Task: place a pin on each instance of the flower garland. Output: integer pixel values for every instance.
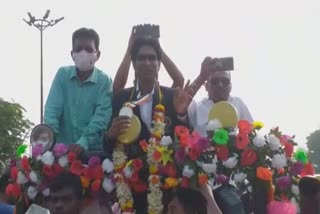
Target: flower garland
(155, 194)
(32, 175)
(123, 191)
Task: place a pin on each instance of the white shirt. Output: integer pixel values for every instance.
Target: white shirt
(198, 113)
(146, 108)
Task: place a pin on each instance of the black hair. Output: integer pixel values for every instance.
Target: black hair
(145, 42)
(191, 200)
(67, 180)
(4, 181)
(86, 33)
(309, 186)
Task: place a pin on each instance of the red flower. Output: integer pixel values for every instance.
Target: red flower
(137, 164)
(184, 140)
(72, 157)
(134, 177)
(157, 155)
(13, 190)
(25, 164)
(48, 171)
(288, 148)
(242, 140)
(140, 186)
(222, 152)
(98, 172)
(244, 126)
(248, 157)
(95, 186)
(194, 153)
(307, 170)
(202, 179)
(144, 145)
(14, 173)
(185, 182)
(57, 169)
(170, 170)
(76, 167)
(181, 130)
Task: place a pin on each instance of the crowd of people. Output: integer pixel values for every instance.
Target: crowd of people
(83, 109)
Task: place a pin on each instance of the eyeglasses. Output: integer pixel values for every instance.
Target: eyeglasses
(224, 81)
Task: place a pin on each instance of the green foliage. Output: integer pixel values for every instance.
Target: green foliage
(313, 144)
(13, 129)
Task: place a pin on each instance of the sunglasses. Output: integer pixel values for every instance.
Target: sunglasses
(224, 81)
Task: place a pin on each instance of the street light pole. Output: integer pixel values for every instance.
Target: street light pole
(41, 24)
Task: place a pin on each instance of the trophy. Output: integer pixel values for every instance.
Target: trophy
(226, 113)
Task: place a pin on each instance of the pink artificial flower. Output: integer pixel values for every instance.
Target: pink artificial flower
(60, 149)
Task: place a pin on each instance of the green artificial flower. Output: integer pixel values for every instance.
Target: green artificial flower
(220, 137)
(21, 150)
(301, 155)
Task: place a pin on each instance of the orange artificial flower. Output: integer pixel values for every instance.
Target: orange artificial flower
(84, 182)
(144, 145)
(264, 173)
(202, 178)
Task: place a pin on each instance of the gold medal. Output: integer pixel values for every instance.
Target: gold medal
(226, 113)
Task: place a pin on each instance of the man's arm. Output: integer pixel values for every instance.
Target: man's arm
(100, 118)
(173, 71)
(54, 105)
(244, 113)
(121, 77)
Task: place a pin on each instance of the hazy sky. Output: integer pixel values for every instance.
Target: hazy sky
(275, 45)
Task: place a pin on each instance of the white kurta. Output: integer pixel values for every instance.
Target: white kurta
(198, 113)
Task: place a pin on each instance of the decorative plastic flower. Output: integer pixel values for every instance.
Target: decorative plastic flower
(244, 126)
(242, 140)
(301, 155)
(279, 161)
(239, 177)
(274, 142)
(220, 137)
(60, 149)
(213, 125)
(259, 140)
(231, 162)
(47, 158)
(188, 171)
(166, 141)
(257, 125)
(107, 166)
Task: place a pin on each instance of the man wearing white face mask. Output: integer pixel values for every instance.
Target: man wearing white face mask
(78, 106)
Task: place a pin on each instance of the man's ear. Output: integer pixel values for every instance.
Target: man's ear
(71, 54)
(98, 54)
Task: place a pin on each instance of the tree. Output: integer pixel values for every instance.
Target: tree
(13, 130)
(313, 144)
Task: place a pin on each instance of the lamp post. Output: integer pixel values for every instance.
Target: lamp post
(41, 24)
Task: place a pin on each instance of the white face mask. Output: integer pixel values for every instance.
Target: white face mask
(84, 60)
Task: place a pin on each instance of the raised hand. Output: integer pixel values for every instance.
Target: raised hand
(183, 98)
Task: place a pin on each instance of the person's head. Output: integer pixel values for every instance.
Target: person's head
(85, 48)
(187, 201)
(65, 195)
(4, 181)
(219, 86)
(146, 59)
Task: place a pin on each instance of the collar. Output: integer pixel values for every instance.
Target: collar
(92, 78)
(139, 93)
